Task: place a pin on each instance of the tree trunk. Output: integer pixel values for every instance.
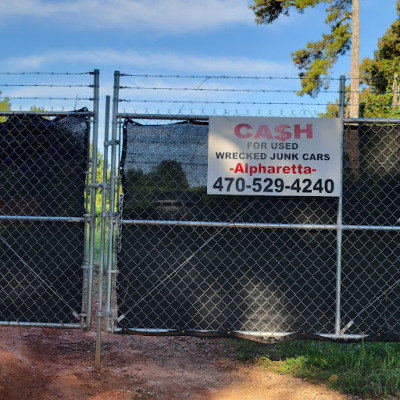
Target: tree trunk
(352, 140)
(355, 63)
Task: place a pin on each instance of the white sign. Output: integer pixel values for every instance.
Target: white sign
(274, 156)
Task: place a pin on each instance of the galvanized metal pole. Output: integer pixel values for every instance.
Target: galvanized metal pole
(92, 191)
(85, 264)
(113, 172)
(342, 97)
(339, 242)
(102, 237)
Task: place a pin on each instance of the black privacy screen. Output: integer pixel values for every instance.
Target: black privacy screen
(42, 174)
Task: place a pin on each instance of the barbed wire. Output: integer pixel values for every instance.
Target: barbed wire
(43, 85)
(219, 102)
(217, 90)
(50, 89)
(44, 98)
(45, 73)
(236, 77)
(158, 117)
(221, 77)
(233, 98)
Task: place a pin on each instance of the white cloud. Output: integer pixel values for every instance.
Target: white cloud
(130, 60)
(171, 16)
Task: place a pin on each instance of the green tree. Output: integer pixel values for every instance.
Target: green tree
(142, 188)
(36, 108)
(380, 75)
(318, 57)
(5, 105)
(99, 180)
(380, 79)
(169, 176)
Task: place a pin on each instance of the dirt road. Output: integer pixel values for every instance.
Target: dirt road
(47, 364)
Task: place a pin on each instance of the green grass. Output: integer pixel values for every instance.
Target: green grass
(364, 369)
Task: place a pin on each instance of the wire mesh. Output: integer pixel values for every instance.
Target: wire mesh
(371, 274)
(264, 265)
(42, 230)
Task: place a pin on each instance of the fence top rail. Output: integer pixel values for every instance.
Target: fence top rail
(47, 113)
(162, 116)
(207, 117)
(371, 120)
(47, 73)
(35, 218)
(259, 225)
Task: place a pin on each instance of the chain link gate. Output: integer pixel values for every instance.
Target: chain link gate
(47, 212)
(187, 262)
(179, 261)
(370, 273)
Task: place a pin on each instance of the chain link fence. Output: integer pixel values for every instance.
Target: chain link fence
(265, 265)
(177, 259)
(47, 215)
(371, 250)
(270, 266)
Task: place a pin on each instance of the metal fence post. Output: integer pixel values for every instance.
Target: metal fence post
(100, 313)
(339, 234)
(342, 92)
(339, 242)
(92, 190)
(113, 177)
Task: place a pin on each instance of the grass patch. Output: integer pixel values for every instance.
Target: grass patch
(364, 369)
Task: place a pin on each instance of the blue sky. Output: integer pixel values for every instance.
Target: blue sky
(180, 37)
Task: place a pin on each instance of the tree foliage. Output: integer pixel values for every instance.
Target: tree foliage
(381, 74)
(318, 57)
(5, 104)
(142, 188)
(378, 78)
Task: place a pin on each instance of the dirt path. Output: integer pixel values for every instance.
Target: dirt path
(47, 364)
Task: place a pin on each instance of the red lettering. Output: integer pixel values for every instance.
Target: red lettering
(284, 169)
(263, 131)
(238, 132)
(239, 168)
(243, 131)
(284, 134)
(307, 130)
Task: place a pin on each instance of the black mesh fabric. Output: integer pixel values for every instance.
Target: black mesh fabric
(42, 174)
(271, 280)
(371, 197)
(208, 278)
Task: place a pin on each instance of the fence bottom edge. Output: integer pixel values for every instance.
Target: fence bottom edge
(41, 325)
(263, 337)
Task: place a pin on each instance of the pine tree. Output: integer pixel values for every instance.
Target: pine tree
(318, 57)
